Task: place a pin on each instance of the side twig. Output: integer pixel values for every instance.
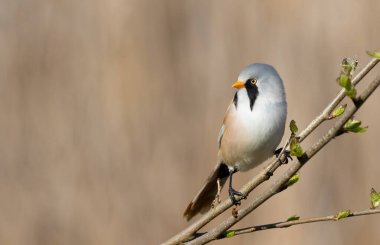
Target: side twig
(286, 224)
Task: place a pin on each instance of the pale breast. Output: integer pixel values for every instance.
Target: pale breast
(250, 137)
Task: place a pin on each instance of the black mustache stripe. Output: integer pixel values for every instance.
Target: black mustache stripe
(236, 100)
(252, 93)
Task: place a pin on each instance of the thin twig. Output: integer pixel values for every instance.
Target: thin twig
(277, 186)
(285, 224)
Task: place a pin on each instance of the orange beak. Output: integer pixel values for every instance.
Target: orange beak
(238, 84)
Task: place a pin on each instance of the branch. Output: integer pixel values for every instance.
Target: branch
(278, 185)
(265, 174)
(335, 102)
(286, 224)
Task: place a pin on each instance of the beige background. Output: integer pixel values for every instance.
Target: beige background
(109, 113)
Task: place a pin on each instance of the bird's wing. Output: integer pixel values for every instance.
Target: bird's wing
(220, 136)
(221, 131)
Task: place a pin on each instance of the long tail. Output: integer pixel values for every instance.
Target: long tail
(204, 198)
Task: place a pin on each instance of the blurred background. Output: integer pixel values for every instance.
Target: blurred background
(110, 112)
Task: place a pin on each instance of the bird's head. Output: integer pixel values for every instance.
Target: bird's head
(259, 80)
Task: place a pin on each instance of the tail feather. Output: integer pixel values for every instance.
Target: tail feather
(204, 198)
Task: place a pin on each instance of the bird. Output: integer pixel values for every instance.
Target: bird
(253, 127)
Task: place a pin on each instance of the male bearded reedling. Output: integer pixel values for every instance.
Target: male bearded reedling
(252, 129)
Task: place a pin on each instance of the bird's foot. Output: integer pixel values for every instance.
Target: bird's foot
(269, 173)
(286, 154)
(277, 152)
(232, 193)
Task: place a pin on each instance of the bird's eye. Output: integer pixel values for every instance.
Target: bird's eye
(253, 81)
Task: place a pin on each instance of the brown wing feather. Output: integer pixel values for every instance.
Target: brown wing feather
(204, 198)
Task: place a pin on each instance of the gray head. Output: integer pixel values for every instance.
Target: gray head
(260, 81)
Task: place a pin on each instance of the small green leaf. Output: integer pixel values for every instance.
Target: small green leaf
(375, 54)
(295, 148)
(345, 76)
(293, 127)
(293, 218)
(344, 81)
(230, 234)
(351, 92)
(359, 130)
(353, 125)
(375, 199)
(343, 214)
(294, 179)
(338, 111)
